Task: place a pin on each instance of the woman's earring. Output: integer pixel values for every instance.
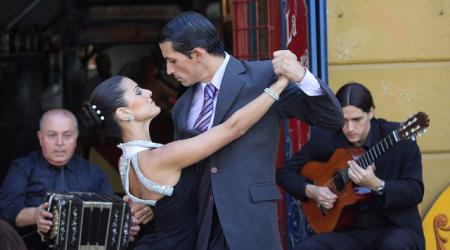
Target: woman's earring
(130, 118)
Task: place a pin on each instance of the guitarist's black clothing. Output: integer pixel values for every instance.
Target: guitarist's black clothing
(393, 214)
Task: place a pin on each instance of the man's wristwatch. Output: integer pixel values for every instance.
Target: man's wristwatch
(380, 190)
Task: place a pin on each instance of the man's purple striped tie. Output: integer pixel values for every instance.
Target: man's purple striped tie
(204, 118)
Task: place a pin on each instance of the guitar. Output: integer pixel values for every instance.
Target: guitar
(334, 175)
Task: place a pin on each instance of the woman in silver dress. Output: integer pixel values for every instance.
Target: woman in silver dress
(152, 173)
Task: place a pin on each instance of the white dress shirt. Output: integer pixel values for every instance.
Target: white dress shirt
(308, 84)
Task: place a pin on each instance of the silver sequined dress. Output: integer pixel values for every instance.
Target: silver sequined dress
(175, 215)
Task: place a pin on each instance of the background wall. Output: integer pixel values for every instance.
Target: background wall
(401, 51)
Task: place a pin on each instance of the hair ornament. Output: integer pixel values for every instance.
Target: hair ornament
(98, 112)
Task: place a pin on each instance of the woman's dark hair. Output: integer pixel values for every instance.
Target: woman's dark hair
(9, 238)
(190, 30)
(99, 112)
(355, 94)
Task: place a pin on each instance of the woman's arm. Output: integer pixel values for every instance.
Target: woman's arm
(183, 153)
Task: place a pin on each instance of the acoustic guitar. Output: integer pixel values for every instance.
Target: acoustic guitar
(334, 175)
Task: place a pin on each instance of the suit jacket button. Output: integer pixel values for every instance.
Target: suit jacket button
(213, 170)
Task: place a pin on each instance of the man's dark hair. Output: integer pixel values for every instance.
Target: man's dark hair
(190, 30)
(355, 94)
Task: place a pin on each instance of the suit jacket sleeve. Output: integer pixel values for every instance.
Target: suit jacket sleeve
(323, 111)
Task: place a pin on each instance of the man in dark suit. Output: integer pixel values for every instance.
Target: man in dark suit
(238, 195)
(390, 220)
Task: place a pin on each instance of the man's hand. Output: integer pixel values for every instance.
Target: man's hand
(322, 195)
(134, 229)
(43, 218)
(142, 213)
(285, 63)
(363, 177)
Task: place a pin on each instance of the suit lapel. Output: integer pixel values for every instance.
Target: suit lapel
(232, 83)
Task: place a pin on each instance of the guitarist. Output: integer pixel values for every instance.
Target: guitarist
(390, 219)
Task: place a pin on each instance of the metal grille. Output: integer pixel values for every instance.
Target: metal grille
(254, 36)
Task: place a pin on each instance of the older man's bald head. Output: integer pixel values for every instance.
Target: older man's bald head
(58, 135)
(58, 112)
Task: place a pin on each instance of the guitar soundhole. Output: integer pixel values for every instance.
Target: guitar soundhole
(338, 182)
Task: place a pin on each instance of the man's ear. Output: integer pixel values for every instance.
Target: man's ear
(371, 113)
(122, 113)
(40, 137)
(198, 54)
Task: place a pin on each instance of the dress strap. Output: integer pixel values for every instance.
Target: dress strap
(150, 185)
(124, 167)
(129, 155)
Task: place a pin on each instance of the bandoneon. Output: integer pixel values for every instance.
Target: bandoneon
(87, 221)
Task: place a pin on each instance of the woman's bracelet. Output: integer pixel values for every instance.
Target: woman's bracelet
(272, 94)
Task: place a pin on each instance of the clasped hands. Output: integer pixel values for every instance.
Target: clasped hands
(140, 214)
(285, 63)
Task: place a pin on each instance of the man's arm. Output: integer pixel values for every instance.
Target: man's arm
(38, 216)
(13, 195)
(290, 179)
(407, 190)
(26, 217)
(315, 103)
(289, 176)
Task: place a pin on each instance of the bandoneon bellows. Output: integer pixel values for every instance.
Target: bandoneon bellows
(88, 221)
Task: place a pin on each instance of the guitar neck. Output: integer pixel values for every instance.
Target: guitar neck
(378, 150)
(374, 153)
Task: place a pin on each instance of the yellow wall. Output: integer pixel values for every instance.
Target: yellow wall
(388, 31)
(401, 51)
